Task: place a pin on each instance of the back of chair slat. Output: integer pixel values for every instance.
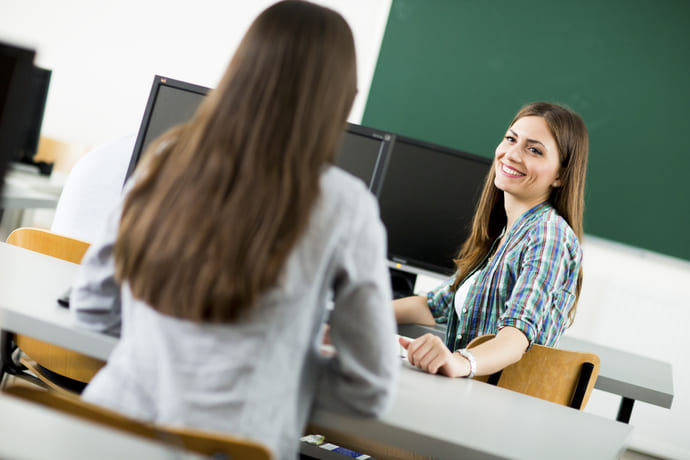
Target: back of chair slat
(206, 443)
(561, 376)
(51, 244)
(551, 374)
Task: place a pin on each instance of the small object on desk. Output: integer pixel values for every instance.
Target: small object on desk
(314, 439)
(63, 300)
(403, 351)
(343, 451)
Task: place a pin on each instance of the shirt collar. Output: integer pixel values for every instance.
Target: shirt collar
(528, 217)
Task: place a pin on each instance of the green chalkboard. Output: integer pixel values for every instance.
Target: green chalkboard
(455, 72)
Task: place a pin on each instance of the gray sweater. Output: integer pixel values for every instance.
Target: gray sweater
(258, 378)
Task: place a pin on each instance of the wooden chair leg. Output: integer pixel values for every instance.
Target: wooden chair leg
(7, 347)
(8, 366)
(42, 379)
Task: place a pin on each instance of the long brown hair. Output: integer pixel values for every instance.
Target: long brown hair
(221, 201)
(570, 133)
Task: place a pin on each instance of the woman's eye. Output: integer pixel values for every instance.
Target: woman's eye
(535, 150)
(510, 138)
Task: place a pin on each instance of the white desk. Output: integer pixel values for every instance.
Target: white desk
(32, 432)
(30, 284)
(434, 416)
(462, 418)
(16, 196)
(24, 191)
(631, 376)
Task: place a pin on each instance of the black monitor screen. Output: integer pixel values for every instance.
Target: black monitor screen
(170, 103)
(16, 64)
(40, 82)
(427, 201)
(361, 151)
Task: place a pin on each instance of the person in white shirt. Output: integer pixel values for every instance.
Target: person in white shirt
(235, 235)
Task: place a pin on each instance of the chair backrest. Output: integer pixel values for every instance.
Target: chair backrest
(59, 360)
(48, 243)
(202, 442)
(561, 376)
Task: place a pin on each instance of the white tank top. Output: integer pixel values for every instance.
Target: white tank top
(461, 294)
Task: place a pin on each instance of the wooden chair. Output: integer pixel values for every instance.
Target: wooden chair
(54, 366)
(217, 445)
(63, 155)
(561, 376)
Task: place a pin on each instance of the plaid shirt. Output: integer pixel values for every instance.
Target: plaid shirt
(529, 284)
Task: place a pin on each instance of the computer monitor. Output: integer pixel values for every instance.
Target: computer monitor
(31, 134)
(170, 103)
(16, 64)
(427, 201)
(363, 153)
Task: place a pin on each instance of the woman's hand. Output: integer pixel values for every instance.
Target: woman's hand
(430, 354)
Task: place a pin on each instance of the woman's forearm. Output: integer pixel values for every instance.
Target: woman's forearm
(413, 310)
(501, 351)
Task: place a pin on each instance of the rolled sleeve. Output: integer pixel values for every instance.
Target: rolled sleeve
(440, 300)
(546, 274)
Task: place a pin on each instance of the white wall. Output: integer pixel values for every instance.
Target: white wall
(104, 56)
(638, 301)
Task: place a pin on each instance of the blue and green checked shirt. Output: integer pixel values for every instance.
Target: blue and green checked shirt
(529, 284)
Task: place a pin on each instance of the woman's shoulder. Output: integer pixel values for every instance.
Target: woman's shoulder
(551, 226)
(340, 179)
(345, 191)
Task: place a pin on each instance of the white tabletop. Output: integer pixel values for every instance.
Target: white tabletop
(463, 418)
(437, 416)
(23, 191)
(32, 432)
(622, 373)
(30, 284)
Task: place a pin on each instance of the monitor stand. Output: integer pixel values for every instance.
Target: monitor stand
(402, 283)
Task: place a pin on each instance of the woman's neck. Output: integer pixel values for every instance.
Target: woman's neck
(515, 208)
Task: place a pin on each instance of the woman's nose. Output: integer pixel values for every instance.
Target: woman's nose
(513, 153)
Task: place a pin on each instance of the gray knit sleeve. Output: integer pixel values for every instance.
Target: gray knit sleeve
(95, 297)
(362, 376)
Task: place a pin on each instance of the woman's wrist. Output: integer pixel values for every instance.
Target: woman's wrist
(471, 364)
(463, 365)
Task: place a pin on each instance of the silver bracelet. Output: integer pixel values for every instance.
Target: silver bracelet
(473, 362)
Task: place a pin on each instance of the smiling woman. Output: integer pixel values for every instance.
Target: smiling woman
(519, 272)
(527, 165)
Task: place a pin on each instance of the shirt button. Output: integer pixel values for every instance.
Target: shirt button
(459, 336)
(464, 310)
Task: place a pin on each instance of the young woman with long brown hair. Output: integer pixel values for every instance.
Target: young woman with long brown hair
(234, 237)
(519, 272)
